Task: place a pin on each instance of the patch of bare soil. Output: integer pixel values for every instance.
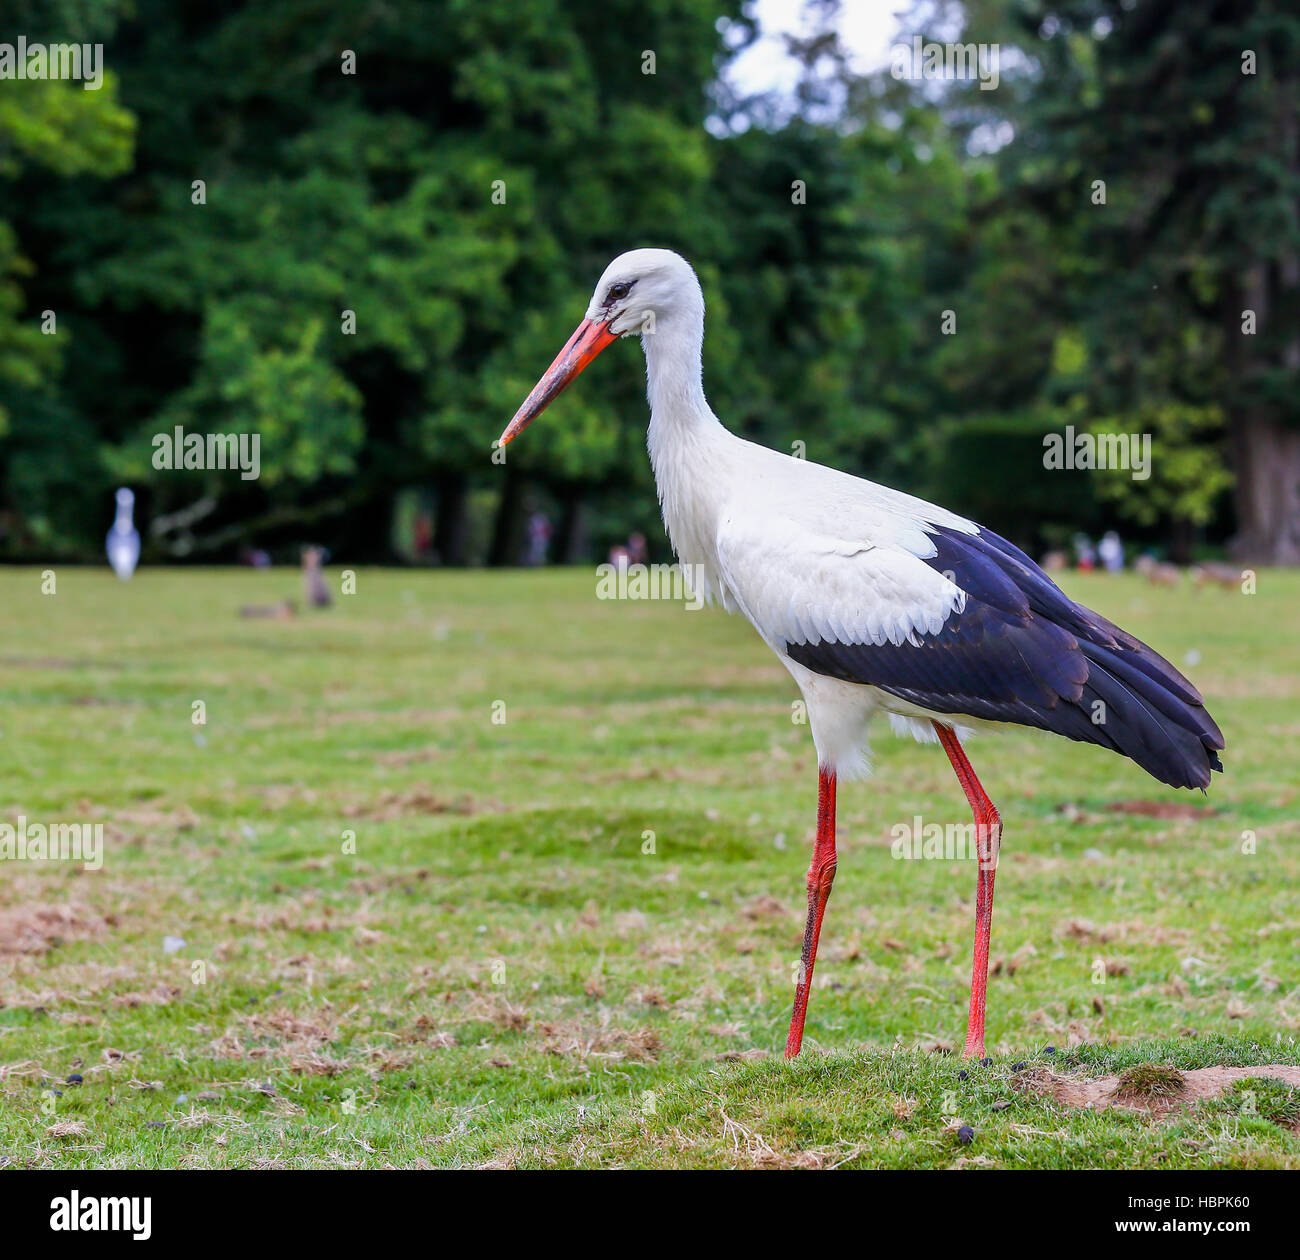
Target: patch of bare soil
(1178, 1089)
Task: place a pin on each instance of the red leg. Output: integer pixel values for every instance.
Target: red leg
(821, 874)
(988, 839)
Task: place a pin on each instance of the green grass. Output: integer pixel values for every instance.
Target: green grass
(509, 971)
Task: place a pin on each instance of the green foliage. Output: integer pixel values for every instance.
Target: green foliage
(56, 128)
(383, 261)
(454, 194)
(1186, 114)
(1188, 471)
(62, 128)
(307, 414)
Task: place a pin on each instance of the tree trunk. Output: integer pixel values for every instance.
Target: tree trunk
(1267, 463)
(452, 526)
(571, 543)
(1265, 447)
(1265, 440)
(507, 532)
(1180, 540)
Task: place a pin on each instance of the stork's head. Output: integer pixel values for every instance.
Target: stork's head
(643, 292)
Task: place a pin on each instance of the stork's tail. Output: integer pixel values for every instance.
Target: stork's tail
(1133, 700)
(1138, 704)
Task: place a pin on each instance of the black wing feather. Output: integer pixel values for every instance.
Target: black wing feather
(1022, 651)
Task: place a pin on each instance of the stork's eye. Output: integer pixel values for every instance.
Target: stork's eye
(619, 290)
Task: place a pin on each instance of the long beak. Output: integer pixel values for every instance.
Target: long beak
(588, 340)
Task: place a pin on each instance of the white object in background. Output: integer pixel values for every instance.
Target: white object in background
(123, 540)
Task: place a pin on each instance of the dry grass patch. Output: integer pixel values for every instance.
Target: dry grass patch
(764, 907)
(281, 1034)
(498, 1010)
(388, 806)
(182, 818)
(35, 929)
(574, 1040)
(160, 995)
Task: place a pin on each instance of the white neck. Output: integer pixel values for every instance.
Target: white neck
(675, 377)
(123, 521)
(680, 416)
(688, 445)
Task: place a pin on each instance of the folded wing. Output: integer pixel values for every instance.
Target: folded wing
(965, 624)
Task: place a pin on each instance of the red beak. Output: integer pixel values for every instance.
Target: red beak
(588, 340)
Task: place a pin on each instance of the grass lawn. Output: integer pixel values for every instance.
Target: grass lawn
(568, 932)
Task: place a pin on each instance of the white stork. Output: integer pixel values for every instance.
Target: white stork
(875, 600)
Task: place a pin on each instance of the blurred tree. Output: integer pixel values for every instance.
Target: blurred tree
(1186, 474)
(1186, 111)
(403, 207)
(50, 131)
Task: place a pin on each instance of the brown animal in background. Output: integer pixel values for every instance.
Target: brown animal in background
(313, 581)
(1214, 571)
(1158, 574)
